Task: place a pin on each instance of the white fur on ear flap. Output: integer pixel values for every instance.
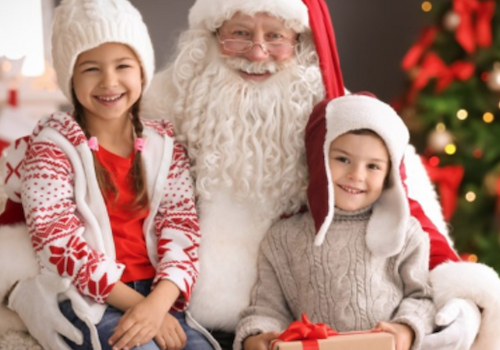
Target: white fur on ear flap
(386, 217)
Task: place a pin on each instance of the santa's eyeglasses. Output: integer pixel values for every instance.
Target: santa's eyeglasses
(270, 47)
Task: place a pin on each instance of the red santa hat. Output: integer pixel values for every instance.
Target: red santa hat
(333, 118)
(305, 16)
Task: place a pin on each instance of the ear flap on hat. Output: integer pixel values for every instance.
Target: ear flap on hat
(319, 190)
(385, 234)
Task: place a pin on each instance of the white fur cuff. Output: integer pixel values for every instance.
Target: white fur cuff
(476, 282)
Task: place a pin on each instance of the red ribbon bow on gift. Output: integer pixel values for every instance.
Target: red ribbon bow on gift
(448, 180)
(417, 50)
(469, 34)
(434, 67)
(307, 332)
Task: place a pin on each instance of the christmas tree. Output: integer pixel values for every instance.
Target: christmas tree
(452, 107)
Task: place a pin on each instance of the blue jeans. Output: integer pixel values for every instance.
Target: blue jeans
(105, 328)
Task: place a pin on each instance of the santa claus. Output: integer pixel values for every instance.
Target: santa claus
(240, 90)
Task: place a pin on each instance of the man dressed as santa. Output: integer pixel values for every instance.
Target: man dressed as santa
(240, 90)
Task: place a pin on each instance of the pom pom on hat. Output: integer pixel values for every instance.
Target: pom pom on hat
(81, 25)
(333, 118)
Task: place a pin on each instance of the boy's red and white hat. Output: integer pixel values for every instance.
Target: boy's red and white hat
(333, 118)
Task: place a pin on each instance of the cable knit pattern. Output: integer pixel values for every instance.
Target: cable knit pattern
(339, 283)
(67, 218)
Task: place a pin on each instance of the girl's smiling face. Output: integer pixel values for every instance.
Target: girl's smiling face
(107, 81)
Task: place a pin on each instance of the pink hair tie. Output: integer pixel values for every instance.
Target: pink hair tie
(139, 144)
(93, 144)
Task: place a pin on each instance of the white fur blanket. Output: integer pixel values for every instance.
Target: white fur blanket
(18, 340)
(18, 261)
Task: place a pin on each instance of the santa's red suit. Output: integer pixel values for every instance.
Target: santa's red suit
(246, 144)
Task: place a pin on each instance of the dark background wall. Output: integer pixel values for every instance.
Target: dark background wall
(372, 37)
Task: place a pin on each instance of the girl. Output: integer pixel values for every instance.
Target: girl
(356, 260)
(107, 196)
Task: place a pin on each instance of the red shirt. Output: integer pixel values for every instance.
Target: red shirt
(126, 224)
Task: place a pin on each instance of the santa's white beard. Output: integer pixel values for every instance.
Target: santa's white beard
(246, 144)
(249, 136)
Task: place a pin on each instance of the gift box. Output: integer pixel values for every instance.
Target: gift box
(309, 336)
(342, 341)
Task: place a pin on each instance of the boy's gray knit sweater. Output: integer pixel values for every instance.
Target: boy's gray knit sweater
(339, 283)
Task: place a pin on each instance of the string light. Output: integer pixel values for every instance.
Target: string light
(426, 6)
(477, 153)
(488, 117)
(470, 197)
(450, 149)
(440, 127)
(472, 258)
(463, 114)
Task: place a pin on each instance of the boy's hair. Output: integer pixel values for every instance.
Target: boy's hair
(137, 173)
(364, 132)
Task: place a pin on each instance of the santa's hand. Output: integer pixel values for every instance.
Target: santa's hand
(35, 301)
(461, 320)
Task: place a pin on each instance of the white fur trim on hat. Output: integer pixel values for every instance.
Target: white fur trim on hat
(81, 25)
(209, 14)
(391, 212)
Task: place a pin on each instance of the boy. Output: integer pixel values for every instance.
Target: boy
(356, 260)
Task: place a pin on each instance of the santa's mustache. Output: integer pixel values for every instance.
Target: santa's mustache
(263, 67)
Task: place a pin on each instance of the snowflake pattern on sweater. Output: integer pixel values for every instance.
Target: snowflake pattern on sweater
(60, 234)
(177, 228)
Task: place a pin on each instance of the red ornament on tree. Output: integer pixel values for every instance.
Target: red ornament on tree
(448, 180)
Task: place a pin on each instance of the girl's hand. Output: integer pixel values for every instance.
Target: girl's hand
(137, 326)
(171, 336)
(403, 333)
(260, 341)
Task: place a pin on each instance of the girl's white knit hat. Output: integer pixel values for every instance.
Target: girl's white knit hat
(333, 118)
(209, 14)
(81, 25)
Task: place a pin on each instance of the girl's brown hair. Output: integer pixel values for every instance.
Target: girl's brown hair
(137, 173)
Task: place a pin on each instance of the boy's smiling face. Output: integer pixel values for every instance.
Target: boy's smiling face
(359, 165)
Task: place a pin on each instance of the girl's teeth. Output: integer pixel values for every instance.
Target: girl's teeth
(110, 99)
